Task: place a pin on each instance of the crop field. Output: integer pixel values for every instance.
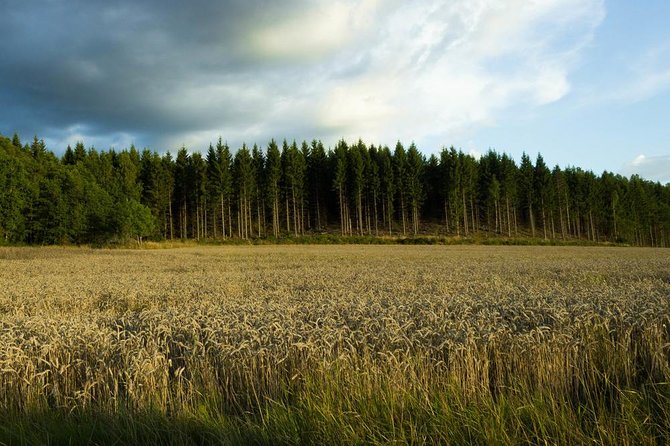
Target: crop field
(335, 345)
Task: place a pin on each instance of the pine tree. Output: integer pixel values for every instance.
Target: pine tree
(258, 193)
(541, 186)
(80, 153)
(225, 187)
(388, 187)
(340, 155)
(68, 156)
(213, 190)
(317, 177)
(527, 188)
(243, 180)
(508, 184)
(373, 188)
(414, 185)
(183, 189)
(273, 177)
(167, 187)
(400, 174)
(356, 176)
(198, 202)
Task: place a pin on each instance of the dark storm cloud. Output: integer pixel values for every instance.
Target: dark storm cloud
(136, 67)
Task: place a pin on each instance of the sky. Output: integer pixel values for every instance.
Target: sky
(585, 83)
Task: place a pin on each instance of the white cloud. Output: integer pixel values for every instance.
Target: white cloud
(641, 78)
(61, 138)
(317, 31)
(643, 85)
(434, 68)
(654, 168)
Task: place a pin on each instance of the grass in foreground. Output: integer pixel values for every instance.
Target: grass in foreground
(341, 407)
(335, 345)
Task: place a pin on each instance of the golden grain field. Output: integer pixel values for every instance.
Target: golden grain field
(238, 331)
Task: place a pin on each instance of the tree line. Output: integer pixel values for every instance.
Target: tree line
(290, 189)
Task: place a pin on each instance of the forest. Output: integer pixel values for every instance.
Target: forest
(290, 189)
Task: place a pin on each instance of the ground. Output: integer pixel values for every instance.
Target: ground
(335, 344)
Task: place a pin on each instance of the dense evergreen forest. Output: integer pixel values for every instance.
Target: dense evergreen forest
(91, 196)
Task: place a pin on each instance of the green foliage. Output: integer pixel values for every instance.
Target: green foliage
(15, 191)
(306, 190)
(134, 220)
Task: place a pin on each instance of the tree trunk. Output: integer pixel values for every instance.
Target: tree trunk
(288, 218)
(230, 218)
(197, 222)
(204, 219)
(275, 216)
(241, 211)
(532, 220)
(318, 212)
(509, 221)
(223, 220)
(215, 224)
(402, 214)
(258, 213)
(446, 216)
(553, 228)
(359, 211)
(295, 213)
(578, 227)
(171, 221)
(341, 212)
(475, 220)
(465, 216)
(184, 225)
(516, 222)
(544, 220)
(567, 214)
(560, 216)
(615, 235)
(376, 215)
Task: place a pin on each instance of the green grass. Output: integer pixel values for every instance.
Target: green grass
(362, 401)
(336, 409)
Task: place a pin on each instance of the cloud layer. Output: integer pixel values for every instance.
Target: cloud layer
(166, 73)
(654, 168)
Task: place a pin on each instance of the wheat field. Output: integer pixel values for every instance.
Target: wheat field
(335, 345)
